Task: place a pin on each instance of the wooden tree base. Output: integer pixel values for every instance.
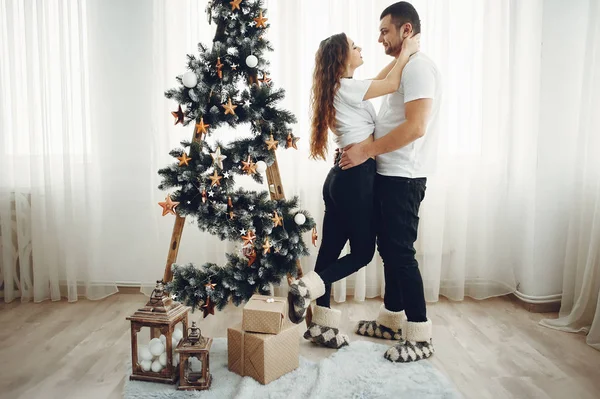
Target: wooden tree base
(276, 192)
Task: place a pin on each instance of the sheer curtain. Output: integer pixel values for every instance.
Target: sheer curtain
(489, 59)
(489, 64)
(85, 128)
(580, 307)
(46, 154)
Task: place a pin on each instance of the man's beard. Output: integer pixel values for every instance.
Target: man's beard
(393, 50)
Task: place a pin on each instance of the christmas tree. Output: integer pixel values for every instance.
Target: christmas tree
(229, 84)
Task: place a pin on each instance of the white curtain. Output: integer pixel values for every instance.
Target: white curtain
(85, 128)
(465, 241)
(580, 307)
(46, 154)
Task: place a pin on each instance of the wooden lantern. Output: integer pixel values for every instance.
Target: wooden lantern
(194, 370)
(161, 314)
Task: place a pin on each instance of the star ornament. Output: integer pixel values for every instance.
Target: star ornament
(235, 5)
(215, 179)
(184, 160)
(265, 79)
(251, 255)
(292, 142)
(260, 21)
(266, 246)
(229, 108)
(277, 220)
(201, 127)
(178, 115)
(219, 68)
(248, 166)
(218, 158)
(271, 144)
(168, 205)
(208, 308)
(249, 238)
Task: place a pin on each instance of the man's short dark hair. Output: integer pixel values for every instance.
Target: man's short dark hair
(401, 13)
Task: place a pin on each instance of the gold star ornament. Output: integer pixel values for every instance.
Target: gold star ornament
(271, 144)
(248, 166)
(219, 68)
(249, 238)
(168, 205)
(260, 21)
(201, 127)
(184, 160)
(235, 4)
(229, 107)
(266, 246)
(277, 220)
(215, 179)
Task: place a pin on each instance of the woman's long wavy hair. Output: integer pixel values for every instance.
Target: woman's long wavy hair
(330, 66)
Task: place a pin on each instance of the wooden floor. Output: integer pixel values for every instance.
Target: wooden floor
(489, 349)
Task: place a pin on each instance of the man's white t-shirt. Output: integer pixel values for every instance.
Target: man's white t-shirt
(420, 79)
(355, 118)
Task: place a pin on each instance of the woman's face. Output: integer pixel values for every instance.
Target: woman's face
(354, 58)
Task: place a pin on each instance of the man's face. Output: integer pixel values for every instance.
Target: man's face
(390, 37)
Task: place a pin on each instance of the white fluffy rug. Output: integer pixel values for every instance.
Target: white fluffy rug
(356, 371)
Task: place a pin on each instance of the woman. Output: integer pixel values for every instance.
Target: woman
(339, 103)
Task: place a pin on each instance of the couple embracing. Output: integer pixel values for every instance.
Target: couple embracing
(373, 192)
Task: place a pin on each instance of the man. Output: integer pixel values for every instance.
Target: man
(405, 148)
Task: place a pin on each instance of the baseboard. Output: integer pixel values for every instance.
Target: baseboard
(134, 287)
(129, 290)
(538, 304)
(533, 304)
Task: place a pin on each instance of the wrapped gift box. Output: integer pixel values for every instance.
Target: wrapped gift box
(264, 357)
(264, 314)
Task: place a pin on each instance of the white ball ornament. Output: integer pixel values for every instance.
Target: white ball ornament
(299, 219)
(251, 61)
(162, 359)
(146, 365)
(189, 79)
(174, 342)
(163, 339)
(177, 334)
(145, 354)
(156, 367)
(157, 348)
(176, 359)
(261, 166)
